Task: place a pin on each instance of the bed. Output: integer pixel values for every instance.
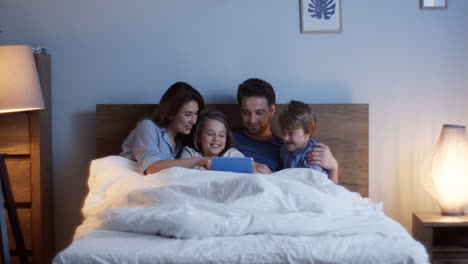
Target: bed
(187, 216)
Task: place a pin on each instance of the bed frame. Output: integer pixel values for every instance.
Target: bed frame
(343, 127)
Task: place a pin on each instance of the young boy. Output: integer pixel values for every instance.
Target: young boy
(297, 123)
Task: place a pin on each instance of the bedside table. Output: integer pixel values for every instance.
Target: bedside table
(27, 139)
(445, 237)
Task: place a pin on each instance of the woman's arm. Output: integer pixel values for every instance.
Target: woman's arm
(154, 154)
(186, 163)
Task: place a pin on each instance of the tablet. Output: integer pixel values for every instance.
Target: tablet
(233, 164)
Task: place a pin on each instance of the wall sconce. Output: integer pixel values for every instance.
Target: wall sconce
(450, 170)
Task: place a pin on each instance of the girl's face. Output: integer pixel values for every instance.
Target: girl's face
(213, 138)
(185, 118)
(294, 139)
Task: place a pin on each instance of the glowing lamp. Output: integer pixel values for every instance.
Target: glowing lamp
(450, 170)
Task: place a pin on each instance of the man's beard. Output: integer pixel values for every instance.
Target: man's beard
(256, 131)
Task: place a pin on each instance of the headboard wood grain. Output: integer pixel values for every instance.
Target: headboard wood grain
(343, 127)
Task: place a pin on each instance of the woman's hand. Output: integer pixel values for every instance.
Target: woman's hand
(261, 168)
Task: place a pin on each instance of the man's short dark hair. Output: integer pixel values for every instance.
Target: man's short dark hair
(256, 87)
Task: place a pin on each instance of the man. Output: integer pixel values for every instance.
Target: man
(257, 98)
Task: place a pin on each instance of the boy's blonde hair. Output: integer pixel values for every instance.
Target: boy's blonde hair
(298, 115)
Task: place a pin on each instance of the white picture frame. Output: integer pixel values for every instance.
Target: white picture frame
(315, 20)
(433, 4)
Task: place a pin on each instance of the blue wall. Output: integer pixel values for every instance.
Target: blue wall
(410, 65)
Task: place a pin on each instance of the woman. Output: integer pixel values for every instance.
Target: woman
(153, 142)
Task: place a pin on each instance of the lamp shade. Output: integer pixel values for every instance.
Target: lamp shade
(19, 83)
(450, 170)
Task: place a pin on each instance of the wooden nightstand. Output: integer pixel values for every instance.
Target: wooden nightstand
(445, 237)
(26, 138)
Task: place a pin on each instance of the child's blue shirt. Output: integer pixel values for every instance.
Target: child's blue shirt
(298, 159)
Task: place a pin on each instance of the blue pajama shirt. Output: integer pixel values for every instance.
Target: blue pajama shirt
(148, 143)
(298, 159)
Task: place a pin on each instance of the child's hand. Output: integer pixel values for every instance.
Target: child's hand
(205, 163)
(261, 168)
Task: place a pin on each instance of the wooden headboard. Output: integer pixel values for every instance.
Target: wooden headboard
(343, 127)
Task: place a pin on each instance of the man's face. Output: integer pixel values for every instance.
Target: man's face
(256, 115)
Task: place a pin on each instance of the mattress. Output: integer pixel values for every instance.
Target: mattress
(102, 246)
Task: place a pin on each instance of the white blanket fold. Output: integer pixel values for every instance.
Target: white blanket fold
(186, 203)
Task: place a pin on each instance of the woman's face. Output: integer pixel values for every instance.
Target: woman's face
(185, 118)
(213, 138)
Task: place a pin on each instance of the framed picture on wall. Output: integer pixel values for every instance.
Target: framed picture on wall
(320, 16)
(433, 4)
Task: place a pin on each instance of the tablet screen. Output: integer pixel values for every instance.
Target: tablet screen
(233, 164)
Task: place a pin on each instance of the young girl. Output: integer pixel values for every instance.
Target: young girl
(213, 138)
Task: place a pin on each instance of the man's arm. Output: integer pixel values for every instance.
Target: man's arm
(322, 156)
(261, 168)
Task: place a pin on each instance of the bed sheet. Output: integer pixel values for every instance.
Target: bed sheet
(112, 247)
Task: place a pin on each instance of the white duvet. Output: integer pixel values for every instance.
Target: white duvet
(202, 206)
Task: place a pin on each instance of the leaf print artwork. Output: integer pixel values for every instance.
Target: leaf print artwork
(319, 9)
(320, 16)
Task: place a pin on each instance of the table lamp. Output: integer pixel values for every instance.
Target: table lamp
(19, 91)
(19, 82)
(450, 170)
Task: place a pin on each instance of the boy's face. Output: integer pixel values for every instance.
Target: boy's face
(213, 138)
(256, 115)
(294, 139)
